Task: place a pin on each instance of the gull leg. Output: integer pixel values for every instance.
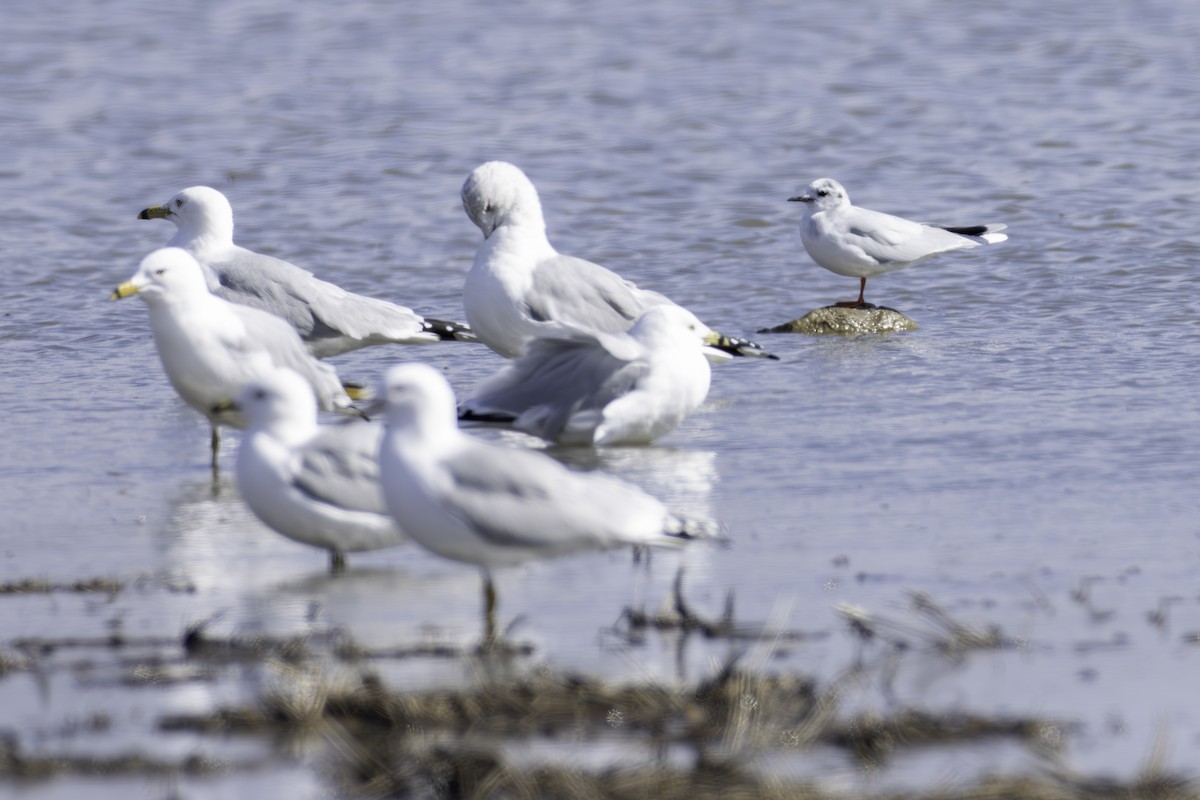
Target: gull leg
(216, 447)
(337, 562)
(860, 302)
(489, 608)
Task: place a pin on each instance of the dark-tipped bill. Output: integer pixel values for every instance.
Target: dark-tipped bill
(737, 347)
(124, 290)
(154, 212)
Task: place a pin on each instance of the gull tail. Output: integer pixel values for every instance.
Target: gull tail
(449, 331)
(735, 346)
(985, 234)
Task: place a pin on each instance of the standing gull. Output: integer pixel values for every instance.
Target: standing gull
(315, 484)
(211, 348)
(330, 319)
(494, 506)
(603, 388)
(860, 243)
(520, 287)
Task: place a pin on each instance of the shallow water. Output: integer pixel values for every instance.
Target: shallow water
(1027, 457)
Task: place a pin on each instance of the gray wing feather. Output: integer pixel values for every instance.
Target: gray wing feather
(340, 467)
(890, 239)
(316, 308)
(268, 332)
(580, 293)
(518, 498)
(555, 380)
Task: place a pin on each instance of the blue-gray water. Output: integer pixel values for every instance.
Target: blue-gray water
(1028, 457)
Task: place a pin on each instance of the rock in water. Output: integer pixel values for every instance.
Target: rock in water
(838, 321)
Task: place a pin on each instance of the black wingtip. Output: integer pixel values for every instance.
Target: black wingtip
(969, 230)
(449, 331)
(491, 418)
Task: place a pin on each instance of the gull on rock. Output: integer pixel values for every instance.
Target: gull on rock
(859, 243)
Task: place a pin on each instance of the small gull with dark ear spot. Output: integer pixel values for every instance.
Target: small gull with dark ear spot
(858, 242)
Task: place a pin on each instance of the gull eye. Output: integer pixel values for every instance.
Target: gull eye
(822, 192)
(178, 202)
(260, 394)
(160, 272)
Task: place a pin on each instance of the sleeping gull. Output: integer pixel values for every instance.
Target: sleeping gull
(520, 287)
(860, 243)
(211, 348)
(602, 388)
(330, 319)
(493, 506)
(315, 484)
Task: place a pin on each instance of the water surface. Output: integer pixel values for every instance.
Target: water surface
(1027, 457)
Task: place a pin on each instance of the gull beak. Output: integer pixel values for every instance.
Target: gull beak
(729, 347)
(124, 290)
(154, 212)
(804, 198)
(224, 407)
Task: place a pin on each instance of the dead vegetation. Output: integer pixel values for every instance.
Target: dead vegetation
(685, 740)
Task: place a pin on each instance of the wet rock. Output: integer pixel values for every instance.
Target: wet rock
(838, 321)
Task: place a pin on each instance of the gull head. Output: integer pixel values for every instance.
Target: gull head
(198, 211)
(279, 400)
(823, 194)
(498, 193)
(169, 272)
(672, 325)
(420, 401)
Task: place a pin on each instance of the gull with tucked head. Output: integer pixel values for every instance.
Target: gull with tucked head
(330, 319)
(473, 501)
(859, 243)
(520, 287)
(211, 348)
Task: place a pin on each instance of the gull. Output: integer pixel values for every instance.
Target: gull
(584, 388)
(860, 243)
(492, 506)
(211, 348)
(520, 287)
(315, 484)
(330, 319)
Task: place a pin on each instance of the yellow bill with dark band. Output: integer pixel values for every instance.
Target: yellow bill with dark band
(154, 212)
(735, 346)
(124, 290)
(224, 407)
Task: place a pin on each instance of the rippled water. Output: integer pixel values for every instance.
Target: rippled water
(1027, 457)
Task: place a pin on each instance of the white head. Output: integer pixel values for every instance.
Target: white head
(823, 194)
(280, 402)
(419, 400)
(498, 193)
(169, 273)
(198, 212)
(671, 323)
